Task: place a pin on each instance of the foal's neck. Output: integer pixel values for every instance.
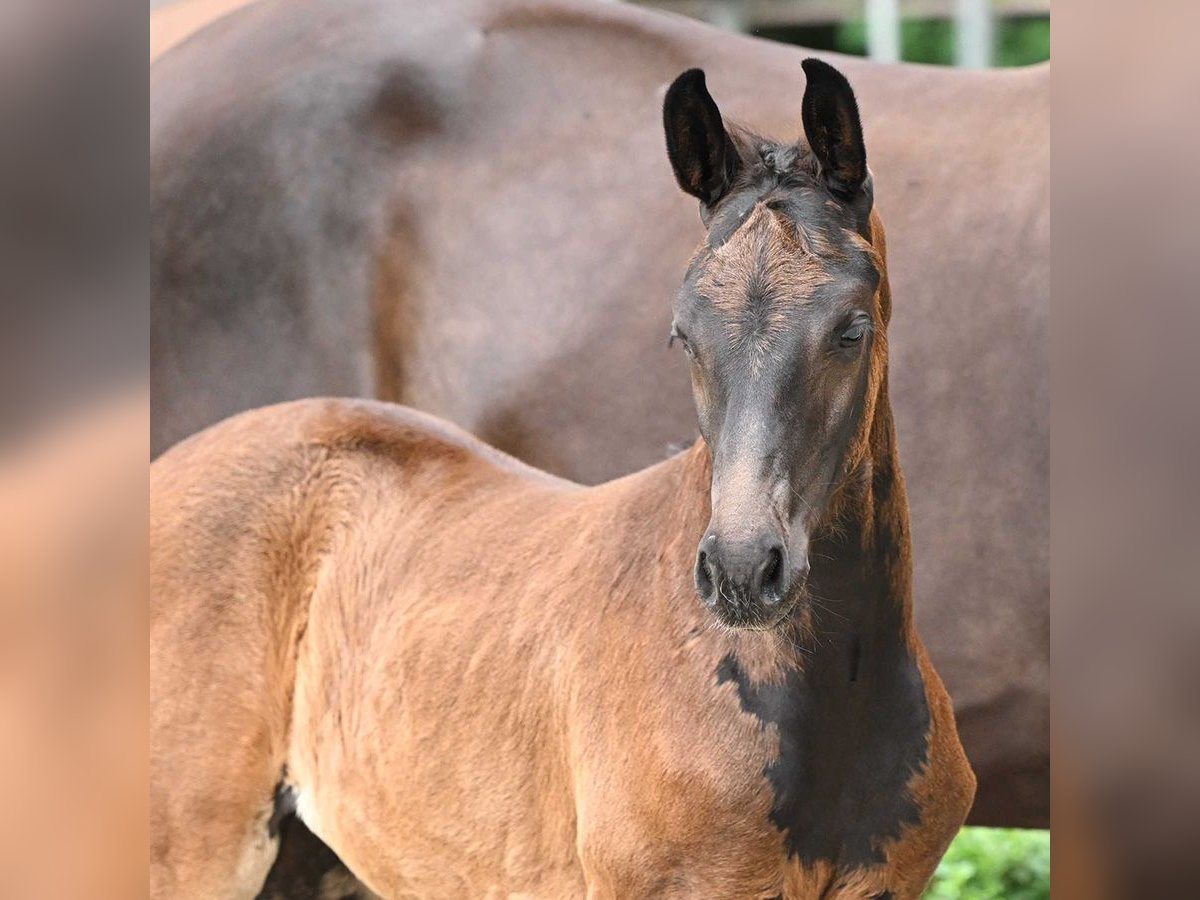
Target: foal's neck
(861, 555)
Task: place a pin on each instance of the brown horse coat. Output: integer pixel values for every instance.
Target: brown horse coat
(456, 205)
(477, 680)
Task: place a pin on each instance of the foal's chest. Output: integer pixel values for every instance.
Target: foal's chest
(852, 735)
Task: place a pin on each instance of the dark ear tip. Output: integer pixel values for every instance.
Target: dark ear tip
(816, 69)
(692, 78)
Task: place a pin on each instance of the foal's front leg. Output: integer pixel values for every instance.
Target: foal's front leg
(209, 850)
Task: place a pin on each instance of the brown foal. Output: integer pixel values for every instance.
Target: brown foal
(472, 679)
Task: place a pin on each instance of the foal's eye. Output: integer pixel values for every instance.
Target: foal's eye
(853, 334)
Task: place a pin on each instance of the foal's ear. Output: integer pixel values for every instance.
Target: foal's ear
(701, 153)
(833, 129)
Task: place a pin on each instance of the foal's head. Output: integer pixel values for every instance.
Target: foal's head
(782, 315)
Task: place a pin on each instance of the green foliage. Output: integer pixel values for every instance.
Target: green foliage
(994, 864)
(1019, 40)
(928, 41)
(921, 40)
(1022, 40)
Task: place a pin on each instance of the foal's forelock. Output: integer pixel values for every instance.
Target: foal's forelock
(758, 274)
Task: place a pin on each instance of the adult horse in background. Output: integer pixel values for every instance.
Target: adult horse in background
(474, 679)
(173, 23)
(455, 205)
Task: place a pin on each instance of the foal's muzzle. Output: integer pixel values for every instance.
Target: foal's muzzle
(748, 584)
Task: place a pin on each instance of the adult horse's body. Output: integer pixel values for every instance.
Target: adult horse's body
(462, 206)
(173, 23)
(473, 679)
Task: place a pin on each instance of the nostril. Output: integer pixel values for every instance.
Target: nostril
(771, 574)
(704, 576)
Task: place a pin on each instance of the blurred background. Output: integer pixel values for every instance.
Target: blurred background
(976, 34)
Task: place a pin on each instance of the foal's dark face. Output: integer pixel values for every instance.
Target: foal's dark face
(780, 319)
